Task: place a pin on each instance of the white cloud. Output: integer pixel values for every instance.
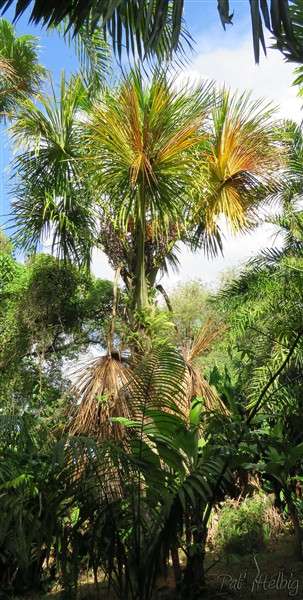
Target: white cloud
(272, 79)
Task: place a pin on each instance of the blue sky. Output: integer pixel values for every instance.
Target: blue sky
(226, 56)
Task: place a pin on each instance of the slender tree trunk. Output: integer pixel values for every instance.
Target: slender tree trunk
(295, 519)
(140, 295)
(176, 563)
(111, 334)
(194, 571)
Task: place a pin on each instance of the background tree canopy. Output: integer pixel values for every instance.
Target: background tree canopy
(50, 313)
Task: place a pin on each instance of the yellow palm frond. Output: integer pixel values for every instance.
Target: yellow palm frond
(240, 162)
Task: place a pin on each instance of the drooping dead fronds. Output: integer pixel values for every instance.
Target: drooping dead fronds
(195, 383)
(96, 399)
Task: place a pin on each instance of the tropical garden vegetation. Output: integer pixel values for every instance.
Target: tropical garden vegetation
(117, 465)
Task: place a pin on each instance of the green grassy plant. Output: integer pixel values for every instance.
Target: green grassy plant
(243, 528)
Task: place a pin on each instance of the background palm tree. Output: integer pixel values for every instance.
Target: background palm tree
(20, 71)
(60, 210)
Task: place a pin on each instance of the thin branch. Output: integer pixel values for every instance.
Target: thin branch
(274, 377)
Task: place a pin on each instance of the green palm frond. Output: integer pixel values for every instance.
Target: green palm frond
(267, 260)
(93, 52)
(20, 71)
(283, 18)
(50, 201)
(287, 27)
(7, 70)
(143, 29)
(151, 27)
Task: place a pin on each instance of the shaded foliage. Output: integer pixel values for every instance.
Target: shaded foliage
(50, 312)
(158, 28)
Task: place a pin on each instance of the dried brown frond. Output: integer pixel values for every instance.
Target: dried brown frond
(195, 383)
(7, 70)
(96, 399)
(202, 344)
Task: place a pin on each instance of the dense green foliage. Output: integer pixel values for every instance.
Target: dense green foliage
(122, 469)
(50, 312)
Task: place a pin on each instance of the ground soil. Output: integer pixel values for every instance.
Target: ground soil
(273, 574)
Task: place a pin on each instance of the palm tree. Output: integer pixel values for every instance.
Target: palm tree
(156, 26)
(167, 163)
(20, 71)
(148, 166)
(49, 172)
(141, 169)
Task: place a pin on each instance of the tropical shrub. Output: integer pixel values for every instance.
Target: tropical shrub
(243, 527)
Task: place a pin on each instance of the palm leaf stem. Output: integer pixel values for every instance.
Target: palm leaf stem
(114, 312)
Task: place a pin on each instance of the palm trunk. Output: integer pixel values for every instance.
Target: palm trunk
(110, 341)
(295, 520)
(193, 579)
(140, 293)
